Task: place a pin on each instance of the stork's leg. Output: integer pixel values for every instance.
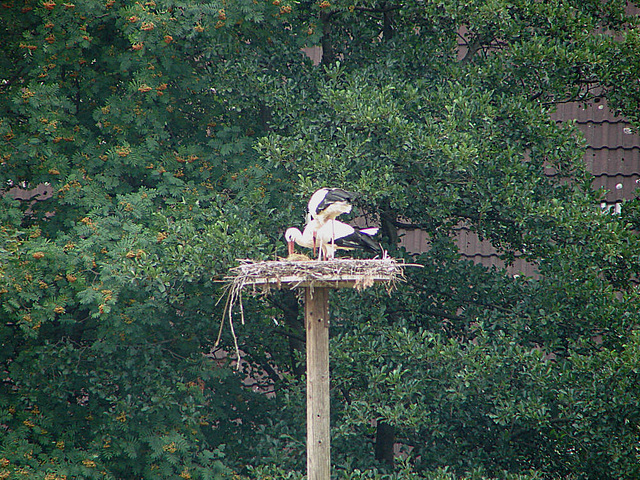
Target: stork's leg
(314, 243)
(333, 239)
(333, 232)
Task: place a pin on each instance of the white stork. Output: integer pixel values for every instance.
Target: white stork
(327, 204)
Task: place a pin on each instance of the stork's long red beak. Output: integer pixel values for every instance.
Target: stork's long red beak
(290, 243)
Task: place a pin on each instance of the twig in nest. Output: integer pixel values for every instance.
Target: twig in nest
(234, 293)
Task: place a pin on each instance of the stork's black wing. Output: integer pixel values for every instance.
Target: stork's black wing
(335, 195)
(358, 240)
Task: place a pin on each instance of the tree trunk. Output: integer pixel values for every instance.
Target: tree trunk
(385, 442)
(328, 53)
(388, 228)
(286, 301)
(387, 26)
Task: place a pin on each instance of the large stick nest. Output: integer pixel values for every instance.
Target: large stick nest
(342, 272)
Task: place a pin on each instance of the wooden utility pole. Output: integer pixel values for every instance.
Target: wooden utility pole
(317, 278)
(316, 309)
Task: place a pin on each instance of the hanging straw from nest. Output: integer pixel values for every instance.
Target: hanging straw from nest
(336, 273)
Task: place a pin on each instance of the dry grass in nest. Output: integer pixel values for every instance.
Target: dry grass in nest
(285, 273)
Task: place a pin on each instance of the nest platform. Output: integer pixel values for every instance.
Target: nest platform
(337, 273)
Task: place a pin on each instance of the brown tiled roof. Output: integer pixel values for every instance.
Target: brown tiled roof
(597, 112)
(618, 187)
(470, 247)
(613, 161)
(609, 134)
(613, 148)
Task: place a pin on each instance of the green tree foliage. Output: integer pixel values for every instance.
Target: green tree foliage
(177, 137)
